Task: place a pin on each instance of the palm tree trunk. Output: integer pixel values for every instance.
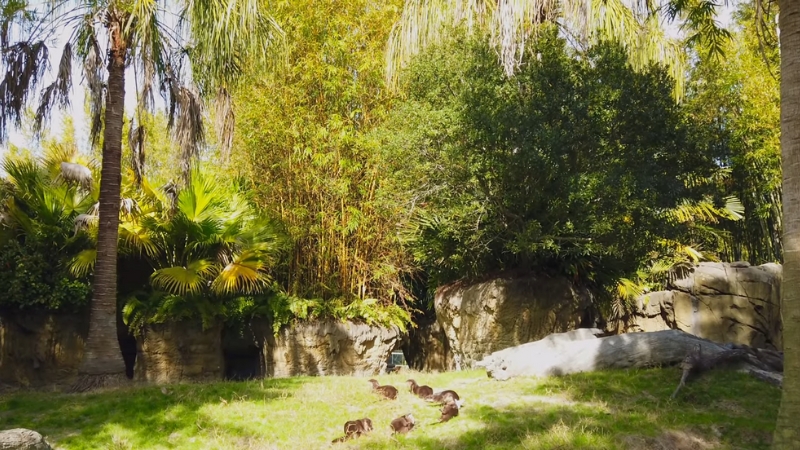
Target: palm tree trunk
(787, 432)
(102, 362)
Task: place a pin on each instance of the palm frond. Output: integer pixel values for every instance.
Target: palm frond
(138, 239)
(629, 289)
(78, 174)
(185, 119)
(88, 49)
(224, 121)
(243, 275)
(180, 280)
(84, 222)
(25, 64)
(83, 263)
(57, 92)
(136, 141)
(513, 23)
(229, 37)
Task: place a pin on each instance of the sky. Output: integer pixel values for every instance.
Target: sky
(76, 109)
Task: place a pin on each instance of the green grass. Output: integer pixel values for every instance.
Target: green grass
(603, 410)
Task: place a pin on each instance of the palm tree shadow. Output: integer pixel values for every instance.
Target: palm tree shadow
(144, 414)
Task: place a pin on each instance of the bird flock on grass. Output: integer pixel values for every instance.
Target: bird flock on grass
(449, 400)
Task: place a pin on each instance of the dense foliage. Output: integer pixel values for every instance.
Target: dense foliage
(572, 166)
(302, 154)
(340, 201)
(735, 101)
(191, 252)
(39, 207)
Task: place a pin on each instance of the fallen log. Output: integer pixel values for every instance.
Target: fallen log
(549, 357)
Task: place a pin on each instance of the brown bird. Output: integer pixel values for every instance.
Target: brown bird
(449, 411)
(355, 428)
(387, 391)
(419, 391)
(445, 397)
(403, 424)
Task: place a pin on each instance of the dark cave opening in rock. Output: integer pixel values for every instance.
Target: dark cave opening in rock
(243, 354)
(127, 345)
(243, 363)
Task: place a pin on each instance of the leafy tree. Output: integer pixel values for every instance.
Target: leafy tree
(574, 165)
(210, 40)
(304, 155)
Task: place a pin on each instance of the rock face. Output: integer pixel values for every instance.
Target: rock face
(22, 439)
(722, 302)
(427, 349)
(503, 312)
(38, 349)
(328, 348)
(179, 352)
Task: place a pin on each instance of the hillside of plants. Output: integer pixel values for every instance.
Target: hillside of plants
(340, 197)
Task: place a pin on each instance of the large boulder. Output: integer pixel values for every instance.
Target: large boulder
(329, 347)
(22, 439)
(506, 311)
(174, 352)
(427, 349)
(39, 348)
(722, 302)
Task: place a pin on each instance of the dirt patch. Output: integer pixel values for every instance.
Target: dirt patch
(670, 440)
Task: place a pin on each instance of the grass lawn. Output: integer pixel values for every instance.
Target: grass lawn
(603, 410)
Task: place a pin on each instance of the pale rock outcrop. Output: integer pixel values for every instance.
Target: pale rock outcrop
(22, 439)
(722, 302)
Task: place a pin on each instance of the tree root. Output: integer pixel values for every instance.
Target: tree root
(762, 364)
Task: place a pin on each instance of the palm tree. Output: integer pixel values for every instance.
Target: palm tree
(209, 41)
(787, 432)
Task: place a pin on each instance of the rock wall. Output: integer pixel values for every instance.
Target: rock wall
(484, 317)
(38, 349)
(427, 349)
(179, 352)
(328, 348)
(720, 302)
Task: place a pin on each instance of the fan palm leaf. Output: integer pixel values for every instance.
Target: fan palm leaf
(184, 280)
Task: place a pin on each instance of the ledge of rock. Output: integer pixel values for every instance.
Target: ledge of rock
(484, 317)
(329, 348)
(175, 352)
(39, 348)
(722, 302)
(427, 349)
(22, 439)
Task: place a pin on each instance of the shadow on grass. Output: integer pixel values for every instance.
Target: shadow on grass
(143, 415)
